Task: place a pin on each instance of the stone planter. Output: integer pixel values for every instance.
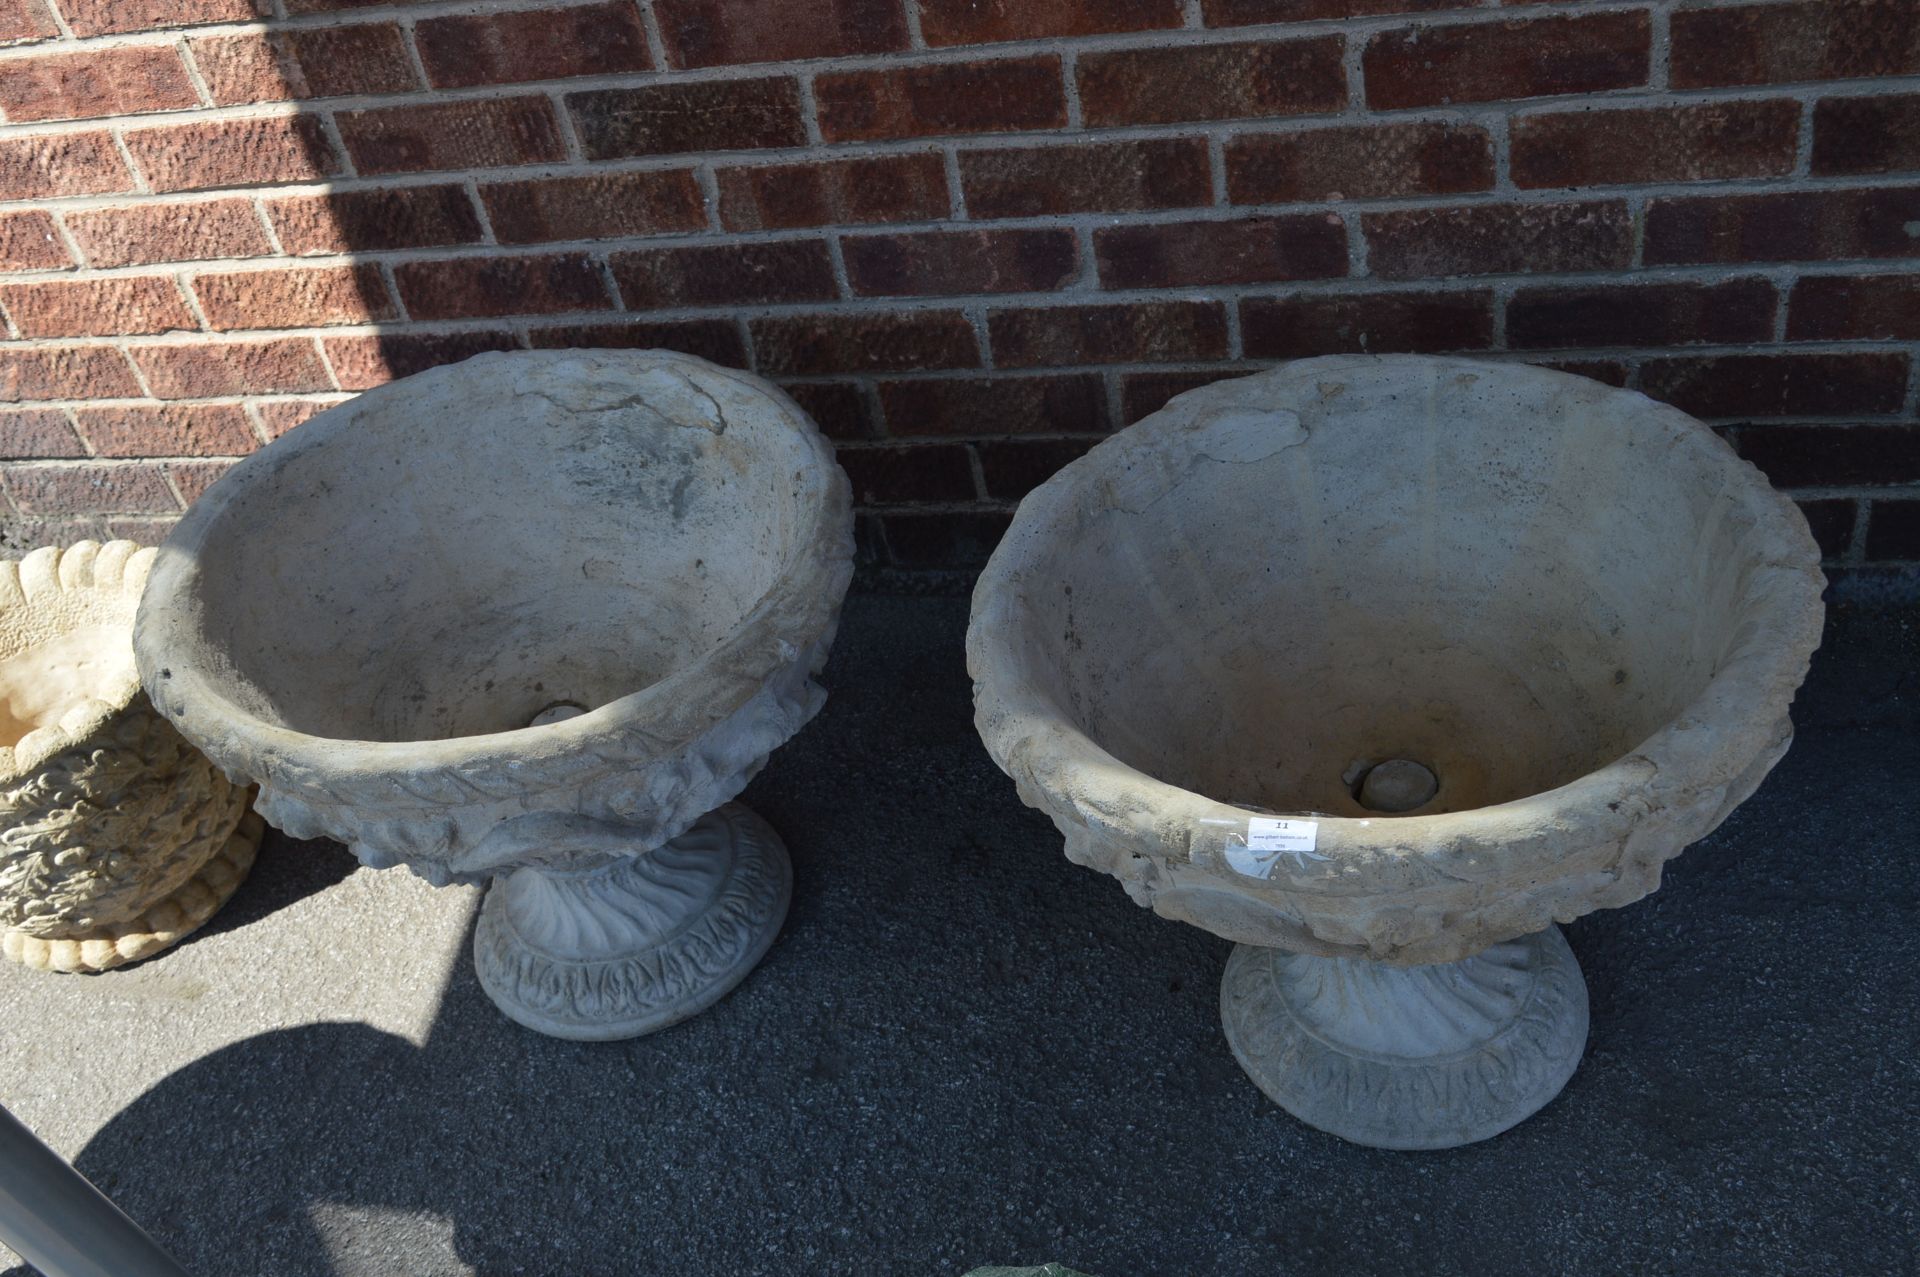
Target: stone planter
(1381, 667)
(533, 618)
(117, 837)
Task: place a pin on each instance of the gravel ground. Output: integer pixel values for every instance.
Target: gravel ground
(963, 1050)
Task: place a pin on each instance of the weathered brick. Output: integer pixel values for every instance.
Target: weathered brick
(950, 262)
(958, 539)
(863, 341)
(881, 188)
(79, 86)
(837, 407)
(1011, 468)
(1250, 250)
(1212, 81)
(716, 339)
(479, 133)
(71, 372)
(1074, 403)
(1144, 393)
(672, 119)
(311, 296)
(702, 33)
(32, 433)
(1490, 239)
(1893, 530)
(1240, 13)
(1087, 177)
(1794, 385)
(1778, 43)
(99, 307)
(246, 152)
(990, 21)
(1866, 135)
(55, 164)
(199, 370)
(1114, 333)
(191, 479)
(1371, 323)
(1002, 96)
(603, 206)
(1784, 226)
(318, 62)
(360, 363)
(537, 44)
(110, 17)
(1729, 313)
(1495, 61)
(1359, 162)
(25, 21)
(1671, 143)
(893, 474)
(168, 430)
(179, 231)
(1799, 456)
(1831, 520)
(1855, 308)
(136, 488)
(277, 416)
(139, 529)
(469, 287)
(370, 220)
(725, 274)
(29, 241)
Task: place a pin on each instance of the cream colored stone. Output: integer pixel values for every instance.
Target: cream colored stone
(117, 838)
(1574, 606)
(524, 618)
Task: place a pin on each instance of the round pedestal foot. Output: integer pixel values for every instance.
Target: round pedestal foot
(635, 946)
(1409, 1057)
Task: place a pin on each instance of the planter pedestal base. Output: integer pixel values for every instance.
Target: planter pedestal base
(1409, 1057)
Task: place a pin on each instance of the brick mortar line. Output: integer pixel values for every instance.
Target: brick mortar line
(650, 29)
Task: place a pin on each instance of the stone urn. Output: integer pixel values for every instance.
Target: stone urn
(1380, 667)
(117, 837)
(531, 619)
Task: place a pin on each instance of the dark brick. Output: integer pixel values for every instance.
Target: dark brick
(70, 372)
(31, 433)
(1866, 135)
(147, 234)
(246, 152)
(79, 86)
(1855, 308)
(1670, 143)
(98, 307)
(1116, 333)
(1725, 314)
(1778, 385)
(802, 345)
(55, 164)
(701, 33)
(168, 430)
(1496, 61)
(1075, 403)
(1830, 519)
(603, 206)
(1359, 162)
(716, 339)
(1144, 393)
(313, 296)
(1212, 81)
(371, 220)
(110, 17)
(989, 21)
(1893, 530)
(947, 97)
(725, 274)
(949, 539)
(1251, 250)
(319, 62)
(1494, 239)
(469, 287)
(1086, 177)
(89, 489)
(1784, 227)
(670, 119)
(947, 262)
(1795, 456)
(479, 133)
(1241, 13)
(536, 44)
(895, 475)
(199, 370)
(1373, 323)
(837, 407)
(29, 241)
(1011, 468)
(1778, 43)
(881, 188)
(364, 362)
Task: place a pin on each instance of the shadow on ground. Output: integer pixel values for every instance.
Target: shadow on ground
(964, 1050)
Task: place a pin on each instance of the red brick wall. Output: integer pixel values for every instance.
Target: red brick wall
(969, 235)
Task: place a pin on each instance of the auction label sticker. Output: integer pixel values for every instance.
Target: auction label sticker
(1268, 840)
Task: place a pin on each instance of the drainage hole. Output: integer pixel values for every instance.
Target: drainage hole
(1397, 785)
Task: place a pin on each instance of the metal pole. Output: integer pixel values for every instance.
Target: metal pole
(61, 1224)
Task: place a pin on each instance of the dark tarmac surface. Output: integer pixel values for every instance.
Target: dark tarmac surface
(964, 1050)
